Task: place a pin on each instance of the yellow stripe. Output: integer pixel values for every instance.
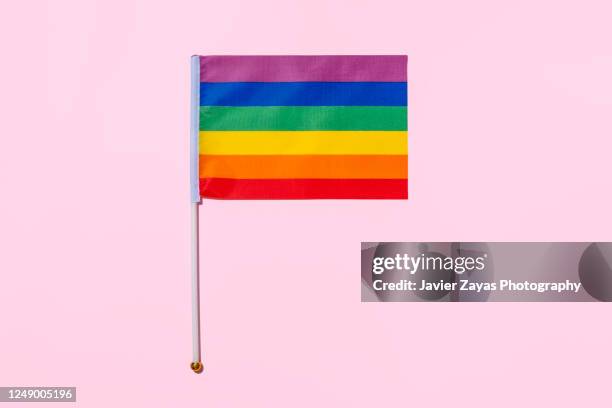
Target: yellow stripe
(303, 142)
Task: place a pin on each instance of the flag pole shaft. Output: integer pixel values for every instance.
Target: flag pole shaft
(194, 132)
(196, 364)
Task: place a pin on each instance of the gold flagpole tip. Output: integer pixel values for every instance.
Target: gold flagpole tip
(197, 367)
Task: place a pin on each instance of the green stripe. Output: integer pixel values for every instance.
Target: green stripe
(303, 118)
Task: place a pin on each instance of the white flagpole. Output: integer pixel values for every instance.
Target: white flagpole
(194, 131)
(196, 364)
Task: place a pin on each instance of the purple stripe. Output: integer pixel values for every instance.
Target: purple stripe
(302, 68)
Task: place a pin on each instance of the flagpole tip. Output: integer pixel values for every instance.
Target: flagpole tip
(197, 367)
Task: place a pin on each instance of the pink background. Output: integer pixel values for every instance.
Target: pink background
(510, 139)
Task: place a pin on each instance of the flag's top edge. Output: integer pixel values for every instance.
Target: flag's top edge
(298, 55)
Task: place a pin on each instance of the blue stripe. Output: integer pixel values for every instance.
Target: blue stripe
(303, 94)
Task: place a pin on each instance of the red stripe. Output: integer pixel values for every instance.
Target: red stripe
(285, 189)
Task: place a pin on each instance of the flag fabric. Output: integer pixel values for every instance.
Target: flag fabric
(299, 127)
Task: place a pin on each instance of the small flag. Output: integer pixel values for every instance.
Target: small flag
(299, 127)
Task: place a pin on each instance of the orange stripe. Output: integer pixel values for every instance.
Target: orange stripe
(304, 166)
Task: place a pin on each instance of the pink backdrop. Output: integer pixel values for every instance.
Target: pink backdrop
(510, 139)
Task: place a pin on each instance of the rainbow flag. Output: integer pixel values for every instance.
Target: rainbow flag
(299, 127)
